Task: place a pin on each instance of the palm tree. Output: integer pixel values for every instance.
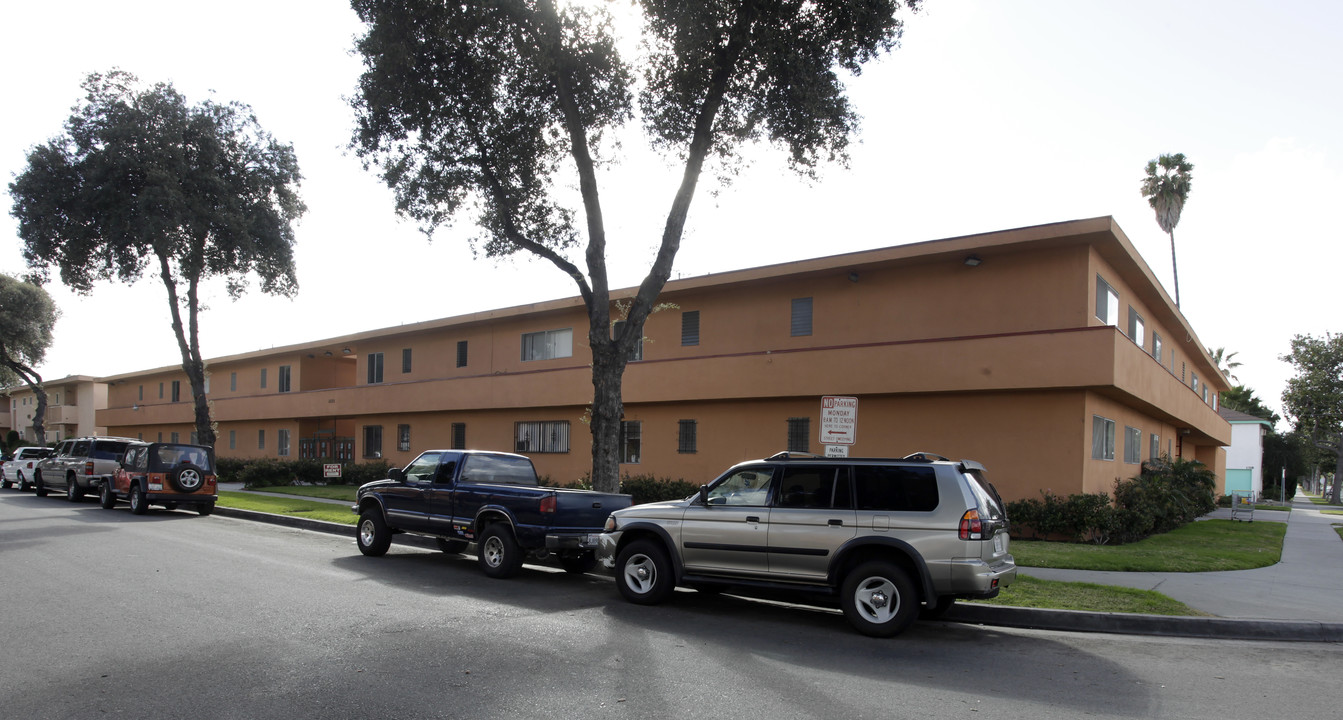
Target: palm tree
(1222, 359)
(1166, 187)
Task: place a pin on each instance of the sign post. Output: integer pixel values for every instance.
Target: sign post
(839, 424)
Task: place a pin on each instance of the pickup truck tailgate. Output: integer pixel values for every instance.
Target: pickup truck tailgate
(585, 510)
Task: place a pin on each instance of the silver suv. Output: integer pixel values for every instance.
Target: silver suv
(80, 465)
(890, 538)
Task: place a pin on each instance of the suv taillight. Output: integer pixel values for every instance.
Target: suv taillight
(88, 467)
(972, 528)
(548, 504)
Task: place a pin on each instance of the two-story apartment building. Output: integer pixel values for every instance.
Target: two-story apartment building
(1049, 353)
(72, 403)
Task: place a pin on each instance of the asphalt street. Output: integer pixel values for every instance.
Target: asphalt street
(173, 615)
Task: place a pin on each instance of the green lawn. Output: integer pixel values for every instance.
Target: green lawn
(1036, 593)
(330, 492)
(1197, 547)
(1339, 529)
(311, 509)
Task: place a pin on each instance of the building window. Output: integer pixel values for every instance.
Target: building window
(1157, 349)
(282, 441)
(177, 391)
(459, 436)
(461, 353)
(1136, 328)
(1205, 393)
(631, 441)
(207, 384)
(636, 352)
(374, 368)
(142, 393)
(548, 344)
(233, 382)
(541, 436)
(1154, 449)
(403, 437)
(687, 440)
(1132, 445)
(799, 434)
(372, 441)
(1193, 381)
(1107, 303)
(286, 378)
(160, 436)
(160, 391)
(261, 439)
(405, 360)
(173, 437)
(801, 322)
(232, 439)
(690, 327)
(1102, 438)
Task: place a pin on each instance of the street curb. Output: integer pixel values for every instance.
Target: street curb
(971, 614)
(1136, 624)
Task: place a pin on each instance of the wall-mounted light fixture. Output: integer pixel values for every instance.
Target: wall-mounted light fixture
(973, 260)
(327, 353)
(346, 351)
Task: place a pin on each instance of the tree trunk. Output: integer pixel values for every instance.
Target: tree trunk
(189, 345)
(608, 369)
(1337, 485)
(33, 380)
(1174, 269)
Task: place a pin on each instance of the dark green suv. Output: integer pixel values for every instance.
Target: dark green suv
(886, 538)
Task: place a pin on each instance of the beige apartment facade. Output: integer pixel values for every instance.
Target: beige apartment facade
(72, 404)
(1049, 353)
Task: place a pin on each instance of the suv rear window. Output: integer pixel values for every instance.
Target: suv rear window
(107, 449)
(987, 494)
(896, 488)
(166, 457)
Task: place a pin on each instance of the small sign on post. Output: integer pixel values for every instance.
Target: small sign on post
(837, 451)
(839, 420)
(331, 470)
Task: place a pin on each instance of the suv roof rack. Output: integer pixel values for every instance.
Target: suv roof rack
(793, 455)
(924, 457)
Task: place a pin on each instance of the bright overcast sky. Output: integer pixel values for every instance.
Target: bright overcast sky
(992, 115)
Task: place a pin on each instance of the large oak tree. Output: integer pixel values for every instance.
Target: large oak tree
(1314, 396)
(492, 109)
(143, 182)
(27, 318)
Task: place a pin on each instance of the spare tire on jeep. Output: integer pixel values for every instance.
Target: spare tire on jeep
(187, 478)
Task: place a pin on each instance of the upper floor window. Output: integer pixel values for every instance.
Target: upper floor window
(801, 319)
(690, 327)
(1107, 303)
(374, 369)
(405, 360)
(1136, 327)
(286, 378)
(177, 391)
(1157, 349)
(233, 382)
(461, 353)
(1193, 381)
(263, 377)
(548, 344)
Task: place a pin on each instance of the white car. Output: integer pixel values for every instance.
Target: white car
(19, 471)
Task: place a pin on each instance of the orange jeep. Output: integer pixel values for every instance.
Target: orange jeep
(167, 474)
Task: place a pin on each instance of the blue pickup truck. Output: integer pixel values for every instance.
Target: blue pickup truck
(493, 499)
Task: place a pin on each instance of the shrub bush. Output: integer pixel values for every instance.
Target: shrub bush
(643, 488)
(260, 472)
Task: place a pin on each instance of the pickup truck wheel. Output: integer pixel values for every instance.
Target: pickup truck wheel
(374, 537)
(498, 552)
(644, 574)
(139, 503)
(39, 487)
(105, 496)
(578, 564)
(73, 492)
(452, 547)
(878, 599)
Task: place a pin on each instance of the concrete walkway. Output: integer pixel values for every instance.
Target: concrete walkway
(1306, 585)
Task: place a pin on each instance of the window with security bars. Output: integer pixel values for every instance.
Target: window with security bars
(690, 327)
(403, 437)
(631, 441)
(545, 436)
(799, 434)
(801, 320)
(687, 437)
(459, 436)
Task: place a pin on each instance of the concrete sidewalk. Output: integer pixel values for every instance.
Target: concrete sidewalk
(1306, 585)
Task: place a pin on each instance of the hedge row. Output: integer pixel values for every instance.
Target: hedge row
(1166, 495)
(270, 471)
